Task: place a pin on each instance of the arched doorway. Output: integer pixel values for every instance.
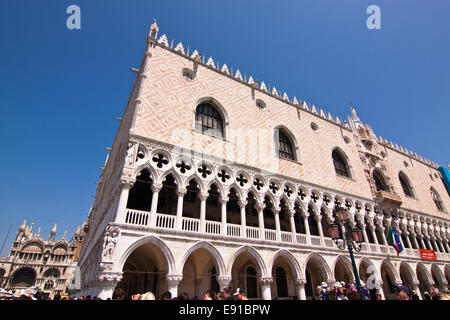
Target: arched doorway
(251, 282)
(343, 270)
(438, 278)
(281, 283)
(285, 270)
(247, 266)
(388, 277)
(144, 270)
(424, 279)
(407, 276)
(201, 265)
(23, 278)
(316, 273)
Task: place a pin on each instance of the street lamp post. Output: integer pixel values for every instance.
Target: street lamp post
(352, 238)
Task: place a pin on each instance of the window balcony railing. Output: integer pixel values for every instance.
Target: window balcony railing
(388, 198)
(166, 221)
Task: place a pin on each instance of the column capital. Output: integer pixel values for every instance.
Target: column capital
(276, 210)
(224, 200)
(224, 280)
(203, 196)
(242, 203)
(265, 280)
(156, 187)
(291, 213)
(174, 278)
(127, 182)
(181, 192)
(260, 206)
(300, 281)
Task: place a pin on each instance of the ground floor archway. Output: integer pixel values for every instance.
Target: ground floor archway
(144, 270)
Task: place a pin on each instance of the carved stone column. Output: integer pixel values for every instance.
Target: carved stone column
(265, 283)
(319, 226)
(260, 208)
(223, 202)
(276, 213)
(203, 196)
(242, 205)
(106, 284)
(300, 289)
(125, 185)
(292, 223)
(156, 187)
(306, 224)
(408, 241)
(223, 281)
(173, 281)
(179, 219)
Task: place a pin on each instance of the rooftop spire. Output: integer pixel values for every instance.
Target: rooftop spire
(354, 114)
(24, 223)
(54, 229)
(154, 29)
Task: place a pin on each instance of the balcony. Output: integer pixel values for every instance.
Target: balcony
(192, 226)
(388, 198)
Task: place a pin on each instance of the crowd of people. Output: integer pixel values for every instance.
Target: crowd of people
(225, 294)
(339, 291)
(349, 291)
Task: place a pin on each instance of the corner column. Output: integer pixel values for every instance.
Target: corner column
(125, 186)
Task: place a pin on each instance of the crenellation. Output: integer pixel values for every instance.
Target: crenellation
(210, 62)
(179, 48)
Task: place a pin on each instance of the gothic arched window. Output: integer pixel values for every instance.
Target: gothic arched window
(379, 182)
(284, 146)
(437, 200)
(407, 189)
(340, 165)
(208, 120)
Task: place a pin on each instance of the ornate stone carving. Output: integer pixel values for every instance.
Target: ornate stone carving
(265, 280)
(109, 242)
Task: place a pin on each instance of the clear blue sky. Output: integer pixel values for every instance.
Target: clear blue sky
(60, 89)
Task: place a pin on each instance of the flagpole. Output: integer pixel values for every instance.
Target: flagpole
(4, 241)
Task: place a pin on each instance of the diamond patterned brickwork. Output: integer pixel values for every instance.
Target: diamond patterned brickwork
(167, 114)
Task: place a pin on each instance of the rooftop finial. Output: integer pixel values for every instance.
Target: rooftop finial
(354, 114)
(24, 223)
(154, 29)
(54, 229)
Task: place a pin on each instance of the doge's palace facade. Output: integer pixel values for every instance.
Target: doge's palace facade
(216, 179)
